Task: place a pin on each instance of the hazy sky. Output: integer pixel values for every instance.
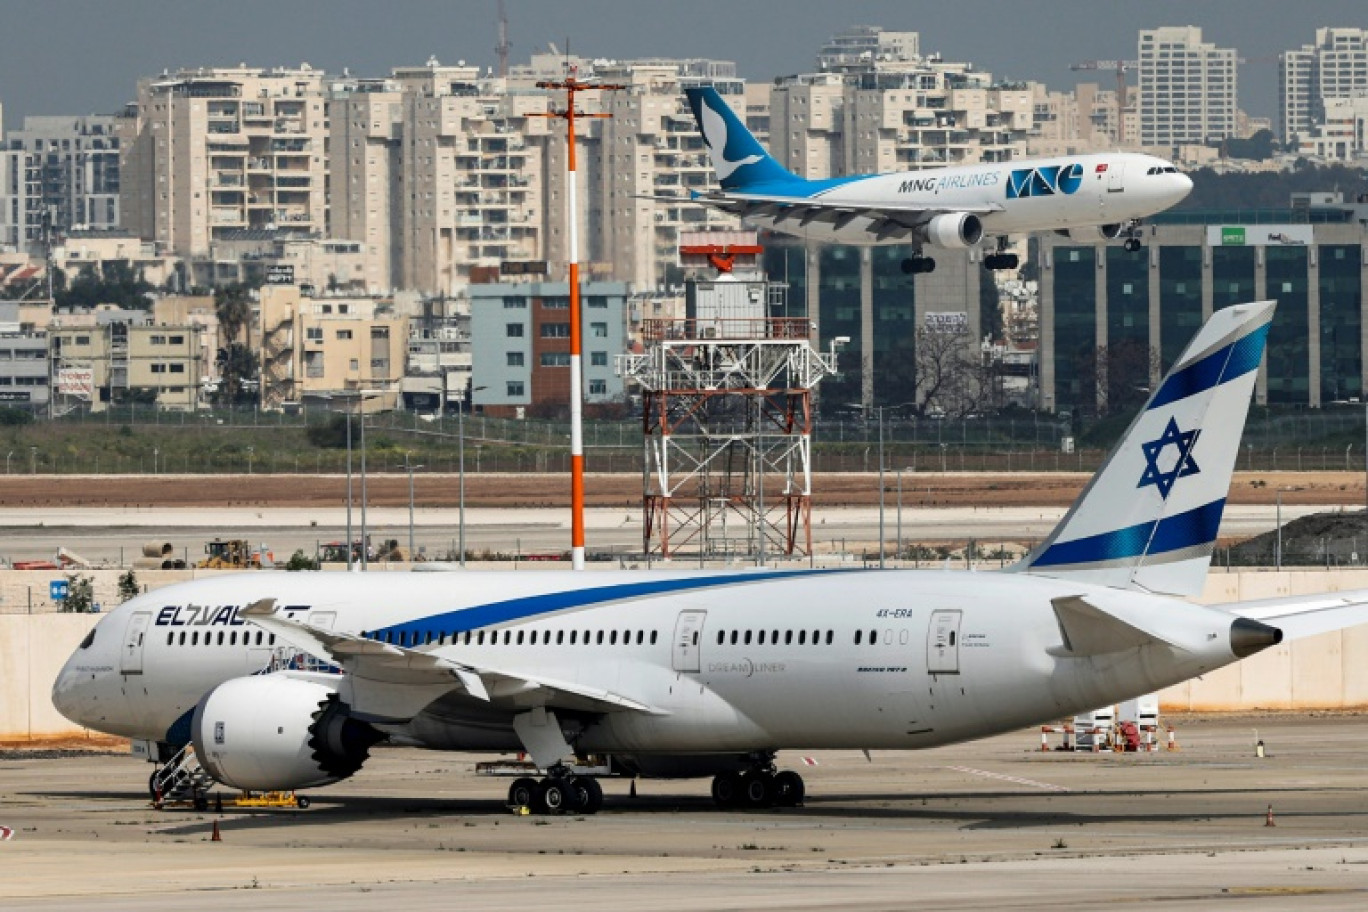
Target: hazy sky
(85, 56)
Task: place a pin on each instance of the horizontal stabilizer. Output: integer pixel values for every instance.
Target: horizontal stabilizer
(1090, 631)
(1300, 616)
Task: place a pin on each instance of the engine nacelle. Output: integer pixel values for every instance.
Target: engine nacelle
(1093, 233)
(276, 733)
(954, 230)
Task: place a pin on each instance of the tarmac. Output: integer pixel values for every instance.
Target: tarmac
(997, 824)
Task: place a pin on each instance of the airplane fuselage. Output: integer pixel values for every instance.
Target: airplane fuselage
(1016, 197)
(726, 662)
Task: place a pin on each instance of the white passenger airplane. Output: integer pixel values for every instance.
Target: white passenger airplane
(710, 674)
(1091, 198)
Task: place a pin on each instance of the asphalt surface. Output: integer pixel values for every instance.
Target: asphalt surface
(992, 825)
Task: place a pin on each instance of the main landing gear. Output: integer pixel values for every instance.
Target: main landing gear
(761, 787)
(918, 265)
(560, 792)
(1001, 261)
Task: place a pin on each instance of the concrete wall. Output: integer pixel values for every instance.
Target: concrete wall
(1329, 671)
(33, 649)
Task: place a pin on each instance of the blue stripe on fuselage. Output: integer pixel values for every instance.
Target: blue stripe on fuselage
(521, 609)
(1221, 366)
(1197, 526)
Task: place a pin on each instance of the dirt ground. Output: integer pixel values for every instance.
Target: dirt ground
(490, 490)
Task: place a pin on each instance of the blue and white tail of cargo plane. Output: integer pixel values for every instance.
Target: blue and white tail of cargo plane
(288, 680)
(1091, 198)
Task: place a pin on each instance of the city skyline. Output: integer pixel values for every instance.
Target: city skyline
(116, 44)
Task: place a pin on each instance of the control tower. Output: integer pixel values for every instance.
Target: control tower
(727, 414)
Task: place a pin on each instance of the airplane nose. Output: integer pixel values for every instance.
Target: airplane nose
(1182, 185)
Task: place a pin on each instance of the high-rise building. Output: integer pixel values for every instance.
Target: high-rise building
(1187, 88)
(61, 172)
(365, 118)
(216, 152)
(1335, 66)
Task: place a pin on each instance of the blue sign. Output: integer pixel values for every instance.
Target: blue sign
(59, 589)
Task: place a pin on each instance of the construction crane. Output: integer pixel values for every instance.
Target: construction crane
(1120, 67)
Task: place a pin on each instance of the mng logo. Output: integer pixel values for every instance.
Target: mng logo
(1046, 181)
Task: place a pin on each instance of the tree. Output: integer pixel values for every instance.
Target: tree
(234, 311)
(80, 598)
(301, 561)
(237, 365)
(128, 586)
(938, 371)
(1121, 375)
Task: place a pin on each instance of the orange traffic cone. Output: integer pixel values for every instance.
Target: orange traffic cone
(215, 837)
(1268, 821)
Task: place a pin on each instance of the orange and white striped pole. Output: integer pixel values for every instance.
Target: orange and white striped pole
(570, 85)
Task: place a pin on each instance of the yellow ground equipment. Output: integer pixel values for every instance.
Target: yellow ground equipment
(233, 554)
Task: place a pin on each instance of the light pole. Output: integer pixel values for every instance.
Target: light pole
(156, 454)
(349, 492)
(7, 460)
(251, 451)
(33, 460)
(880, 412)
(460, 455)
(1277, 554)
(365, 542)
(409, 468)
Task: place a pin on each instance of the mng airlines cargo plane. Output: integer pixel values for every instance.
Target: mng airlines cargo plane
(683, 674)
(1091, 198)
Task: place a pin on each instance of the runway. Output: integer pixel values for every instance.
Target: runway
(993, 825)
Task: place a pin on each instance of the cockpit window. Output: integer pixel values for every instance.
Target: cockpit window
(89, 639)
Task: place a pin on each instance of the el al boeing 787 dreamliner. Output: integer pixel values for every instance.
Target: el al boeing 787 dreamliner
(683, 674)
(1091, 198)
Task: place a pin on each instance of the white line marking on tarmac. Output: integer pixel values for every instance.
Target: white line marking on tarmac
(1005, 778)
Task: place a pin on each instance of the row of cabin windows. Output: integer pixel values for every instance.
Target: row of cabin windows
(888, 637)
(513, 637)
(177, 638)
(759, 637)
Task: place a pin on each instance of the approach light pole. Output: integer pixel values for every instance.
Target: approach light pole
(571, 85)
(460, 455)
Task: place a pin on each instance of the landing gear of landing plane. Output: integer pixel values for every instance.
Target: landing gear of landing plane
(1132, 244)
(758, 788)
(1001, 261)
(559, 793)
(918, 265)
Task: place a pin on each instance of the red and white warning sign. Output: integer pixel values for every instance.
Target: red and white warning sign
(6, 833)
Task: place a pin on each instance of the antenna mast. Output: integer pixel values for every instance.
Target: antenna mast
(503, 46)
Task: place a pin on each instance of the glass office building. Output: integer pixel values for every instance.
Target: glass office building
(1313, 262)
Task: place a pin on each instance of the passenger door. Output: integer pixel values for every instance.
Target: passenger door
(134, 634)
(688, 640)
(942, 642)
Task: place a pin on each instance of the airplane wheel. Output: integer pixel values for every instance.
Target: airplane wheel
(588, 794)
(726, 790)
(928, 265)
(522, 792)
(909, 265)
(1132, 244)
(789, 790)
(758, 790)
(553, 796)
(301, 802)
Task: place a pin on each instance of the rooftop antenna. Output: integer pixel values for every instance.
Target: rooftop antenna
(502, 48)
(571, 85)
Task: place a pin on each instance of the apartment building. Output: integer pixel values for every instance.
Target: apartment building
(216, 151)
(878, 108)
(520, 343)
(364, 178)
(1340, 133)
(24, 362)
(314, 348)
(1187, 88)
(114, 359)
(61, 172)
(1334, 66)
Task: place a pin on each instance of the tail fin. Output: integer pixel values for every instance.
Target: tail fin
(738, 158)
(1149, 517)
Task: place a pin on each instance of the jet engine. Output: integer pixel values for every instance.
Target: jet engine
(1092, 234)
(275, 733)
(954, 230)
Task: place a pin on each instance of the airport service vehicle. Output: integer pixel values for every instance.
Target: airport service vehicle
(1090, 198)
(287, 680)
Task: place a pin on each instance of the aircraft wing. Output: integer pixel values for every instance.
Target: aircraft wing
(889, 218)
(1301, 616)
(395, 682)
